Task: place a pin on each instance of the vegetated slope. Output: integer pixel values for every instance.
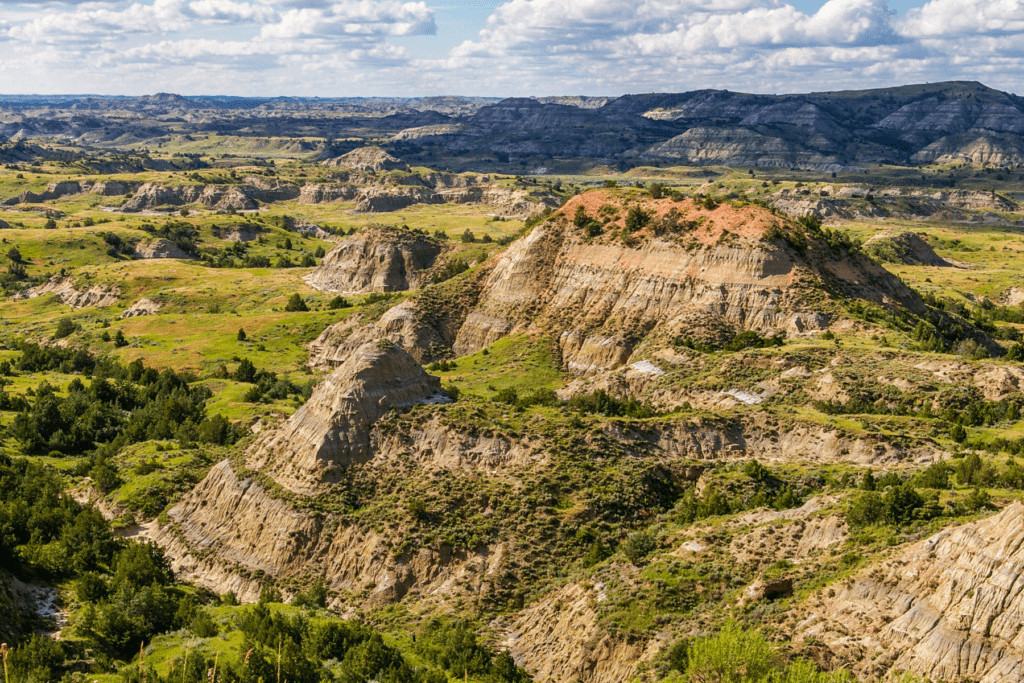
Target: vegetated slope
(906, 248)
(377, 259)
(610, 270)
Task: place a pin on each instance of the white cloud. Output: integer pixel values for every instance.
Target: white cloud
(355, 19)
(525, 47)
(947, 18)
(227, 11)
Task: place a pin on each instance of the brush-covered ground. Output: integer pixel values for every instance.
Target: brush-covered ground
(106, 422)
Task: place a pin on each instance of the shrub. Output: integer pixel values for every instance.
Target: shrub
(241, 335)
(865, 509)
(638, 546)
(65, 328)
(269, 594)
(296, 304)
(314, 596)
(637, 219)
(977, 500)
(338, 302)
(730, 656)
(901, 501)
(468, 237)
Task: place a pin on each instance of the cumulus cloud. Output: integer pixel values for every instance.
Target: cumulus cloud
(227, 11)
(948, 18)
(524, 47)
(758, 45)
(354, 19)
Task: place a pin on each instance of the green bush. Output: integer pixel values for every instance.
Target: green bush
(338, 302)
(296, 304)
(638, 546)
(65, 328)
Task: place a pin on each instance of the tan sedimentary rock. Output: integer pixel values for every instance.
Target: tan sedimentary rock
(558, 639)
(144, 306)
(221, 197)
(907, 248)
(950, 607)
(377, 259)
(603, 294)
(332, 429)
(64, 289)
(367, 159)
(159, 248)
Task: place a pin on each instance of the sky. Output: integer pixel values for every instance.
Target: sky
(502, 48)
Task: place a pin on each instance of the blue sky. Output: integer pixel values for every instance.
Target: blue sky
(502, 48)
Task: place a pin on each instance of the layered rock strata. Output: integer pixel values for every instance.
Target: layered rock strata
(377, 259)
(950, 607)
(332, 429)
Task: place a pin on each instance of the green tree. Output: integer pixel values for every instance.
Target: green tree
(14, 255)
(958, 433)
(468, 237)
(865, 509)
(901, 501)
(65, 328)
(119, 340)
(296, 304)
(636, 219)
(241, 335)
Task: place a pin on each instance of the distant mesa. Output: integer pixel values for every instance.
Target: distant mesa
(163, 98)
(367, 159)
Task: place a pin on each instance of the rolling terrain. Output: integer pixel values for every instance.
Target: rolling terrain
(351, 390)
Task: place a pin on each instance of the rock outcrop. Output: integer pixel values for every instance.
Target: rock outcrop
(58, 190)
(144, 306)
(836, 204)
(245, 197)
(159, 248)
(367, 159)
(332, 430)
(906, 248)
(377, 259)
(605, 295)
(64, 289)
(321, 193)
(947, 608)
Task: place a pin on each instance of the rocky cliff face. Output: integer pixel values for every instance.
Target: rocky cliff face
(159, 248)
(367, 159)
(851, 202)
(377, 259)
(64, 289)
(601, 296)
(947, 608)
(110, 188)
(222, 197)
(332, 430)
